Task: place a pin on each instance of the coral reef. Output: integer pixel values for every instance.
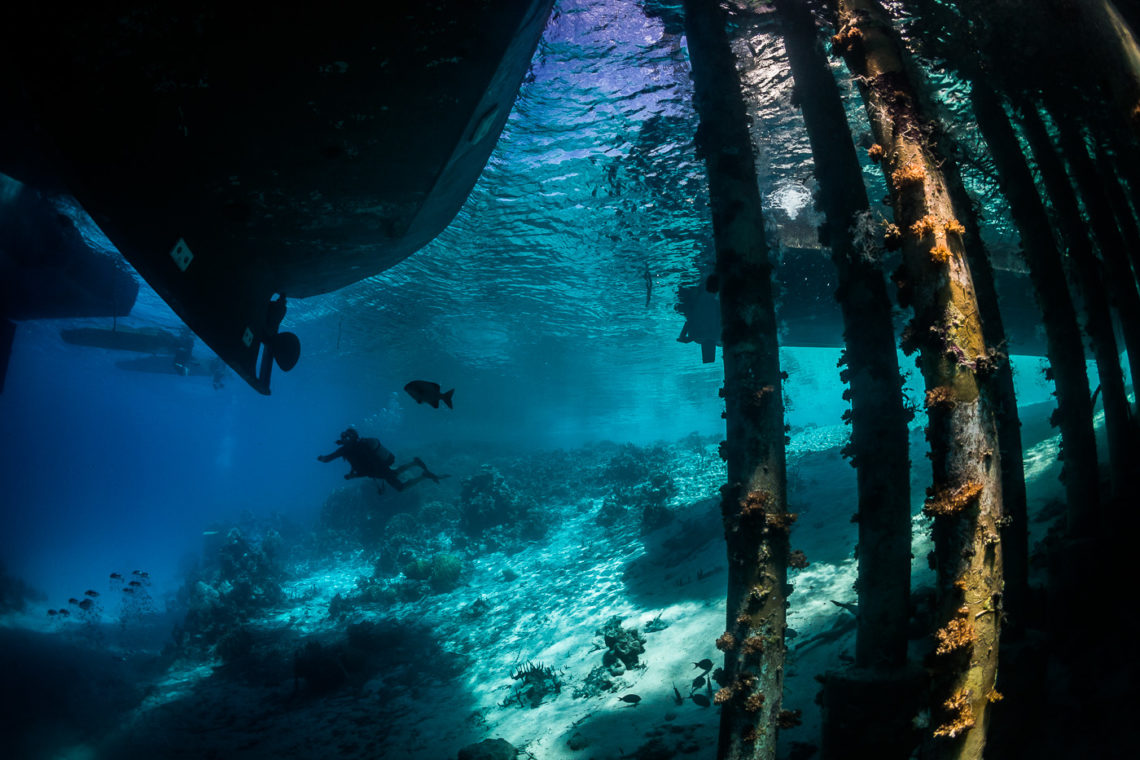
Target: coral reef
(240, 579)
(638, 485)
(357, 514)
(622, 646)
(597, 681)
(445, 571)
(493, 511)
(535, 683)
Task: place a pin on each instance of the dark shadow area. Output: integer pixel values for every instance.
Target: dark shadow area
(279, 693)
(679, 731)
(61, 693)
(682, 561)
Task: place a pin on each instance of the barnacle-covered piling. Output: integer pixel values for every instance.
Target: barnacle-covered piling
(754, 501)
(935, 280)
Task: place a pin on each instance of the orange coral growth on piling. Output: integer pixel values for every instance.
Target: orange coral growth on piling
(940, 254)
(961, 715)
(725, 641)
(925, 226)
(951, 501)
(762, 393)
(781, 520)
(753, 645)
(875, 153)
(892, 236)
(943, 395)
(755, 502)
(956, 634)
(954, 227)
(754, 702)
(910, 174)
(845, 40)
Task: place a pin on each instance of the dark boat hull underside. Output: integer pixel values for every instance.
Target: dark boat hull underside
(232, 153)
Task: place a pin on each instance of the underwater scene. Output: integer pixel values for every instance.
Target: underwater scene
(654, 379)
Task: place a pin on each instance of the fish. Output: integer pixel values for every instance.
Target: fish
(427, 392)
(677, 696)
(128, 590)
(65, 613)
(52, 612)
(73, 600)
(705, 664)
(90, 592)
(116, 577)
(698, 682)
(701, 700)
(134, 583)
(86, 604)
(632, 699)
(140, 573)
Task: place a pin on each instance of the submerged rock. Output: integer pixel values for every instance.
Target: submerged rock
(577, 741)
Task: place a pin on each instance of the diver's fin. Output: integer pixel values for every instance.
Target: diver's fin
(447, 398)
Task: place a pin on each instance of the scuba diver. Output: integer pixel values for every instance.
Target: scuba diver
(369, 459)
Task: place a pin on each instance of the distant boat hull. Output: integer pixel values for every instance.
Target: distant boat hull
(146, 340)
